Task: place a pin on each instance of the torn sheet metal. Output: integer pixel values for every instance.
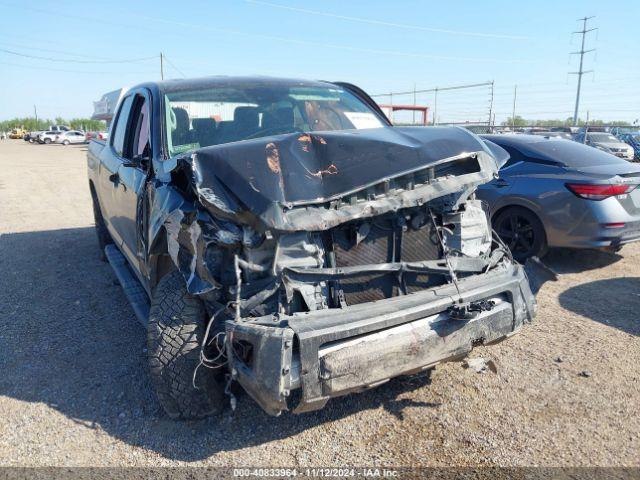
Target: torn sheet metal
(199, 245)
(283, 180)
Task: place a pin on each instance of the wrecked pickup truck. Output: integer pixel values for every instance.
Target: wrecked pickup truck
(282, 234)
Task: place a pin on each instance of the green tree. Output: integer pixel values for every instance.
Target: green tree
(30, 124)
(517, 122)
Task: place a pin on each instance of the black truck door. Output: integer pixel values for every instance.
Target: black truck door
(130, 179)
(110, 160)
(133, 173)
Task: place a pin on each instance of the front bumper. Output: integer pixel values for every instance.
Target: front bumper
(331, 352)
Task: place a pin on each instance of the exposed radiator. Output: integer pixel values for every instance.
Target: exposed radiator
(384, 242)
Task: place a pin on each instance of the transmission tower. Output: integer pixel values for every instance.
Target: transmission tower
(581, 72)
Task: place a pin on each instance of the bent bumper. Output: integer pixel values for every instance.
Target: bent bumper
(328, 353)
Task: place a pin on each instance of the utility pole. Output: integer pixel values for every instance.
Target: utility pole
(414, 103)
(435, 107)
(35, 112)
(161, 66)
(513, 113)
(491, 105)
(581, 72)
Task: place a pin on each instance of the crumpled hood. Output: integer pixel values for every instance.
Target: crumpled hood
(309, 168)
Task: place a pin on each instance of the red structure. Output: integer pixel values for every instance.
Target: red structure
(424, 110)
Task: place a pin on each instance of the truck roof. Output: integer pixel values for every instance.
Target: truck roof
(168, 86)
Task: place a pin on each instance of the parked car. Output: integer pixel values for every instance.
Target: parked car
(555, 134)
(48, 137)
(618, 131)
(553, 193)
(59, 128)
(632, 139)
(607, 143)
(33, 136)
(300, 243)
(100, 136)
(69, 137)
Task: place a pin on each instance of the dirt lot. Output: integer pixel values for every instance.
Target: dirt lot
(74, 387)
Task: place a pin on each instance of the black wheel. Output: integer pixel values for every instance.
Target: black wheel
(522, 231)
(177, 324)
(47, 141)
(65, 142)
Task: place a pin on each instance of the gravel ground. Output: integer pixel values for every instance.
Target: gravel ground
(74, 387)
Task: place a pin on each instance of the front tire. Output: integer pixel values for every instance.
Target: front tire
(522, 231)
(177, 324)
(65, 143)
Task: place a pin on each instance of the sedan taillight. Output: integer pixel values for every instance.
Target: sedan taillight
(598, 192)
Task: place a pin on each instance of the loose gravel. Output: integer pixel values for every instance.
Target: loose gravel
(74, 388)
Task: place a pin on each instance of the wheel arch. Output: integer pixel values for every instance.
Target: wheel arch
(521, 203)
(160, 262)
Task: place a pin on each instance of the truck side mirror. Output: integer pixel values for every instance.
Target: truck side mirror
(141, 160)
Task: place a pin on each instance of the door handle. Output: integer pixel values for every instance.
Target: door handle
(114, 178)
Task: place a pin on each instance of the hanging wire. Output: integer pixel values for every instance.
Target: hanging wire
(70, 60)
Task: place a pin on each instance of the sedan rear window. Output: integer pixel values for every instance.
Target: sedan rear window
(570, 154)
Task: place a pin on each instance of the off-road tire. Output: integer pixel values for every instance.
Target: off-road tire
(104, 237)
(174, 334)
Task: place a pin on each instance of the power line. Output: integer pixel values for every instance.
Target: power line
(289, 40)
(174, 67)
(48, 50)
(50, 69)
(581, 72)
(388, 24)
(67, 60)
(435, 89)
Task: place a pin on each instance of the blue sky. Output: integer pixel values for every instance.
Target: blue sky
(380, 45)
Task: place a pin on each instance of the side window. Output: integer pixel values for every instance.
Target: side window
(138, 142)
(120, 130)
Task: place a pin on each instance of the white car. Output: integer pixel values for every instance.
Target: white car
(33, 136)
(72, 136)
(48, 137)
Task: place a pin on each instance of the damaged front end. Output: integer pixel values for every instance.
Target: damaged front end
(335, 262)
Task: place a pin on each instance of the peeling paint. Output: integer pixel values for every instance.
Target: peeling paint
(330, 170)
(273, 158)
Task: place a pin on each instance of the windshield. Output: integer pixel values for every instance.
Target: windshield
(222, 114)
(602, 137)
